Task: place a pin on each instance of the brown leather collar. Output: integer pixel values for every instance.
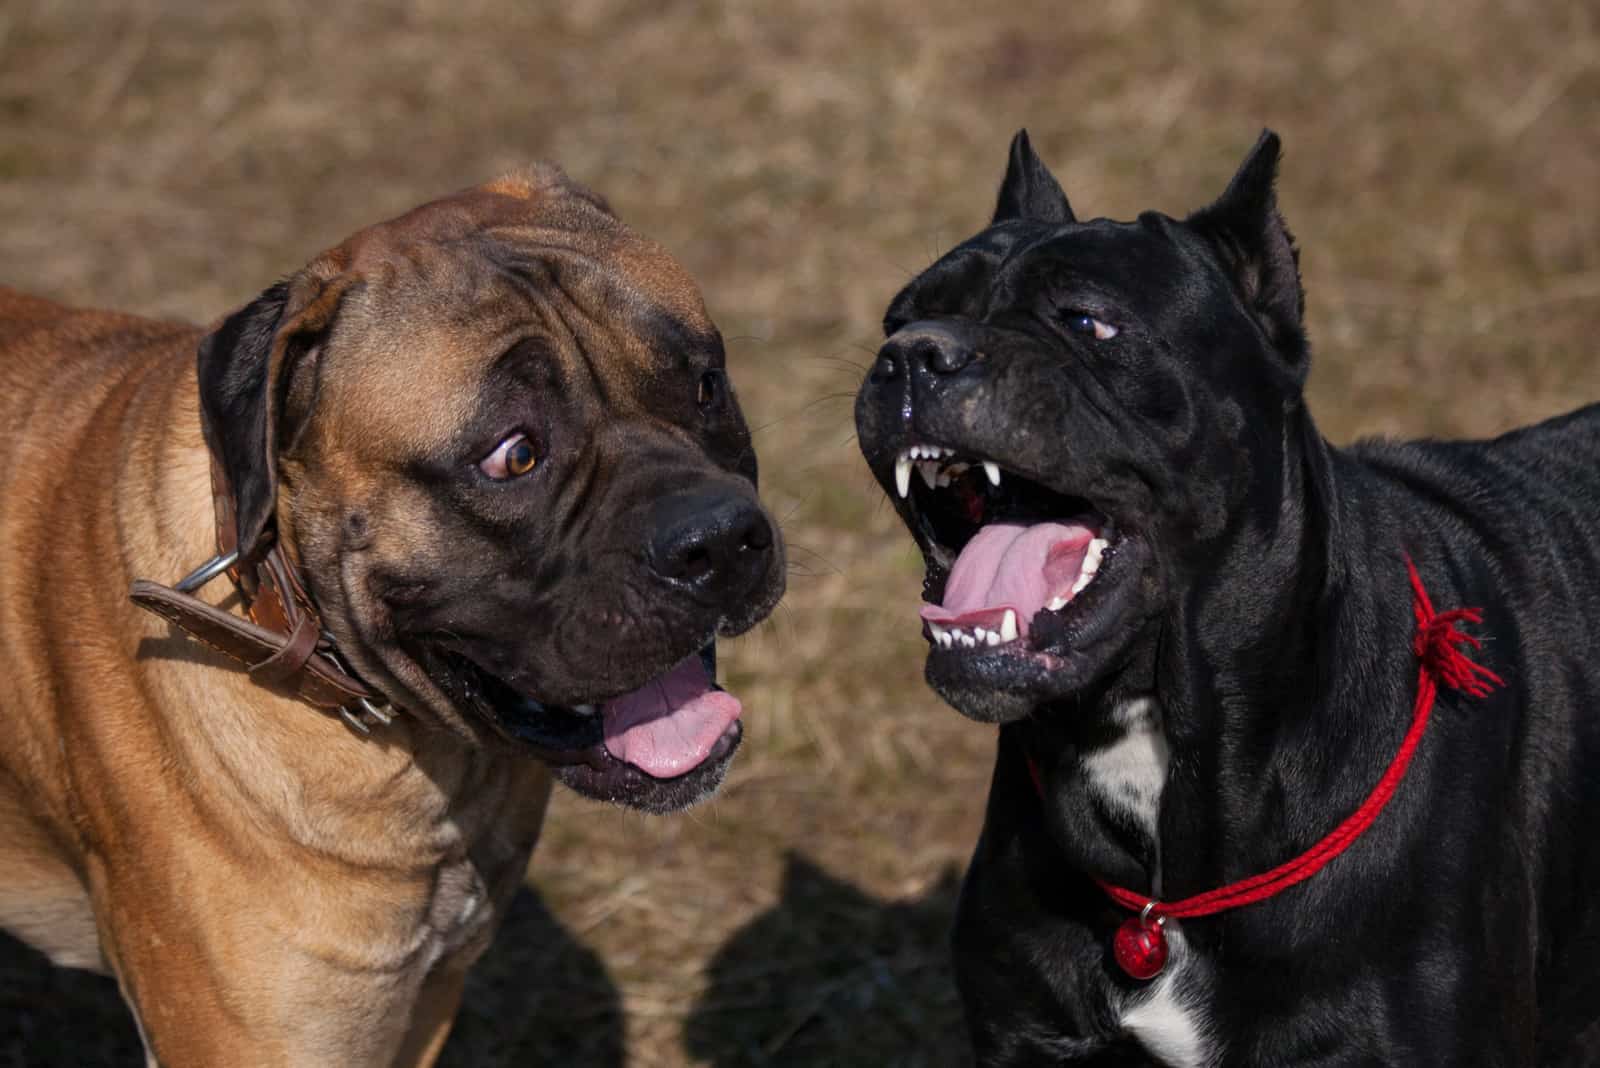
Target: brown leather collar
(282, 644)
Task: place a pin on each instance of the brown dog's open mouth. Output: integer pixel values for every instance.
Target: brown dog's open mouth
(660, 746)
(671, 724)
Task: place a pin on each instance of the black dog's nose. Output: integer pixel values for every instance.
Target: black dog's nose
(717, 540)
(922, 347)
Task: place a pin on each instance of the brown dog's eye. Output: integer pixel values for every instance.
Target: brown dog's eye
(512, 458)
(710, 390)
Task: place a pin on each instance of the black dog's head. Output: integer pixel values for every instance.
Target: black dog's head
(1069, 416)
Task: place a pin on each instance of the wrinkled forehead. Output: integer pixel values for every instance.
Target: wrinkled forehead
(444, 292)
(1018, 262)
(1126, 257)
(959, 281)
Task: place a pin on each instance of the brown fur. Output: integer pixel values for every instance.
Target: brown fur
(269, 887)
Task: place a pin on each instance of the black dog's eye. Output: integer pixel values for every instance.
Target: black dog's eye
(712, 388)
(1086, 324)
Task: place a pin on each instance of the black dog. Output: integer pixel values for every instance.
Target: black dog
(1192, 618)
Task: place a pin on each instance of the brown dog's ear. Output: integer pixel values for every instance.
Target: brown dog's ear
(245, 369)
(1029, 190)
(1255, 246)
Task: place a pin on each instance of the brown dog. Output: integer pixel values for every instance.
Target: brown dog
(492, 499)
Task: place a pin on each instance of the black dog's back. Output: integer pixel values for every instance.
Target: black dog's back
(1516, 517)
(1512, 525)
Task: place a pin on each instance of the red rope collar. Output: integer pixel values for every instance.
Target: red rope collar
(1140, 947)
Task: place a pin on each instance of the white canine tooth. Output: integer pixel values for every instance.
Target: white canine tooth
(1083, 580)
(1008, 627)
(1091, 562)
(993, 471)
(946, 639)
(929, 470)
(1057, 604)
(902, 475)
(936, 630)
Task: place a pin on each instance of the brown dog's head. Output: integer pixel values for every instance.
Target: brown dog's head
(498, 436)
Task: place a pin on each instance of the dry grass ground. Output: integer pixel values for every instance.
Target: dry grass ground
(803, 158)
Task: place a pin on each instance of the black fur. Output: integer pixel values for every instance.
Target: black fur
(234, 364)
(1030, 191)
(1251, 239)
(1264, 606)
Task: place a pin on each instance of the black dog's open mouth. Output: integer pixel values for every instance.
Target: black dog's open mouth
(1020, 577)
(660, 746)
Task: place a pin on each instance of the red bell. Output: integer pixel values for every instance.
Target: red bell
(1140, 946)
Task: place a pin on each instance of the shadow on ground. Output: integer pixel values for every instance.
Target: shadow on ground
(831, 976)
(537, 997)
(60, 1017)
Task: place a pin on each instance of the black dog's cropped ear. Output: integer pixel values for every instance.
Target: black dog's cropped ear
(244, 370)
(1259, 252)
(1030, 191)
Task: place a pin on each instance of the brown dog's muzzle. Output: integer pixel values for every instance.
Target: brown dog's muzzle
(713, 541)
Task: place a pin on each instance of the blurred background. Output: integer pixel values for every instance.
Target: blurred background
(803, 159)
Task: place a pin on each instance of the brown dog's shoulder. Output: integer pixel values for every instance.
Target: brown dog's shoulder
(29, 322)
(23, 314)
(17, 306)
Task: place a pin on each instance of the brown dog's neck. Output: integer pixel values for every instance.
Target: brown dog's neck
(289, 768)
(409, 801)
(161, 490)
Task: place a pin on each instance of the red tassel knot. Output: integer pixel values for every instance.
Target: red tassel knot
(1438, 643)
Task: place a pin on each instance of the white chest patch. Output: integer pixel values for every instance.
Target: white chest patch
(1168, 1017)
(1130, 772)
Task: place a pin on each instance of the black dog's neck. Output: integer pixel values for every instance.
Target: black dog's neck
(1302, 609)
(1254, 612)
(1279, 734)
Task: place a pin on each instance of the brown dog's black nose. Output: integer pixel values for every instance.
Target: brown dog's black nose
(715, 540)
(926, 347)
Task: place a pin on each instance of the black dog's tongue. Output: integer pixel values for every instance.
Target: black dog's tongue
(1020, 567)
(668, 726)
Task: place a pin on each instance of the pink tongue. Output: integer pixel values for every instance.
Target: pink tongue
(1008, 565)
(666, 727)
